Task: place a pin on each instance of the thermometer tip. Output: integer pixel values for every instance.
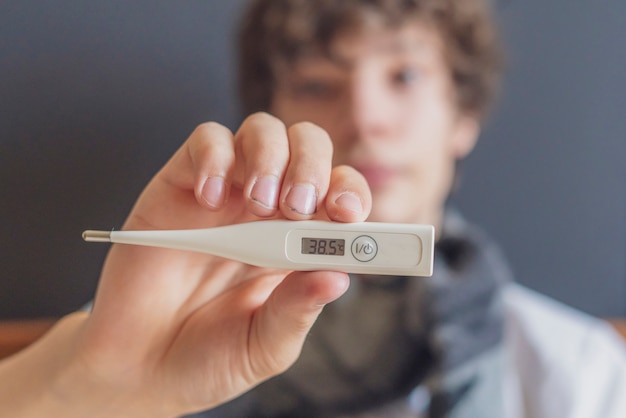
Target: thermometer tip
(97, 236)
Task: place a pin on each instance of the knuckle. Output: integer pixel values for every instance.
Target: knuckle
(209, 136)
(206, 129)
(307, 128)
(305, 131)
(262, 119)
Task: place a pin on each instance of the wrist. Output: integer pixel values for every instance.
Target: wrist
(52, 378)
(33, 372)
(89, 382)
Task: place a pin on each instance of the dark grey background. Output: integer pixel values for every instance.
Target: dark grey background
(95, 96)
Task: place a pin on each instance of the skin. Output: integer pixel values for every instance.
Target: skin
(174, 332)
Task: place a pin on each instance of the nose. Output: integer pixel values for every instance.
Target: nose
(371, 106)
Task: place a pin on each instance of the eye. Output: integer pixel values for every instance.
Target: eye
(405, 76)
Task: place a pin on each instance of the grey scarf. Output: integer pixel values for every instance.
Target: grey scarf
(401, 347)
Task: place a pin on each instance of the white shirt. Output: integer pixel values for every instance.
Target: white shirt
(563, 363)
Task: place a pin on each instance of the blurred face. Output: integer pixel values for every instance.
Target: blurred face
(387, 101)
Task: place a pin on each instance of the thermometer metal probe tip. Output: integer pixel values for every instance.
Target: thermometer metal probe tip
(97, 236)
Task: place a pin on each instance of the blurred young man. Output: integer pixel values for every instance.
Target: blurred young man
(371, 104)
(402, 87)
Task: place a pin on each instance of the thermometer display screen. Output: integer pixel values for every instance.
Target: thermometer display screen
(323, 246)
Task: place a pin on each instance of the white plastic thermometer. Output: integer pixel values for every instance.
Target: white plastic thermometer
(366, 247)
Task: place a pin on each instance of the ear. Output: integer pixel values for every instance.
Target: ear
(464, 136)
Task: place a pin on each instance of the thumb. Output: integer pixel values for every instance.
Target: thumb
(280, 327)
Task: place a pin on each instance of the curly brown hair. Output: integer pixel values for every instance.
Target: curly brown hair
(274, 31)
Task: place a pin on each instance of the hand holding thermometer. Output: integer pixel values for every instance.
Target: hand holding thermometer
(365, 247)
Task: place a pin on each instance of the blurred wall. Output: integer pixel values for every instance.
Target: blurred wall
(95, 96)
(549, 177)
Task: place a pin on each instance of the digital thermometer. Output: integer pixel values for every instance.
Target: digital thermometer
(365, 247)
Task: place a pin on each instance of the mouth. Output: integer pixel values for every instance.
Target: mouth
(377, 176)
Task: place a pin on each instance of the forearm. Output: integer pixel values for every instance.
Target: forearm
(49, 379)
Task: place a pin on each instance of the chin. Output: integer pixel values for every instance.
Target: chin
(391, 212)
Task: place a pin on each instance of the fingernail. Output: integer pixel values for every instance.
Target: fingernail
(350, 201)
(302, 198)
(265, 192)
(213, 191)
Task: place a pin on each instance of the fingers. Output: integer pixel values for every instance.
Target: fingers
(287, 171)
(277, 171)
(283, 169)
(280, 327)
